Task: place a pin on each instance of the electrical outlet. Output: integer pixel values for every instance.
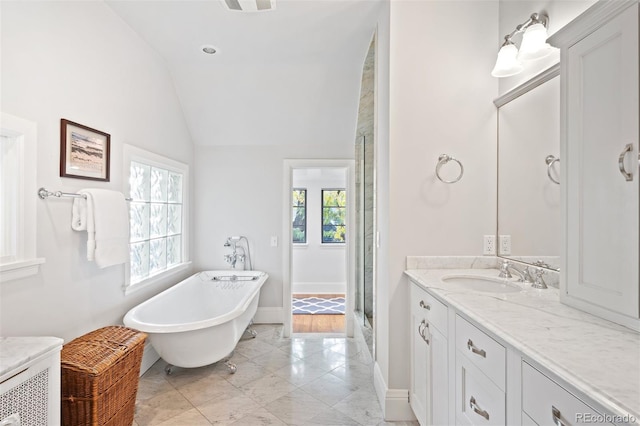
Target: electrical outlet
(505, 244)
(489, 246)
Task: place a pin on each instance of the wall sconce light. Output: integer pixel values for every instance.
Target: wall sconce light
(534, 46)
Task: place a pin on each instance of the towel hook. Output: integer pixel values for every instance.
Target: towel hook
(550, 160)
(444, 159)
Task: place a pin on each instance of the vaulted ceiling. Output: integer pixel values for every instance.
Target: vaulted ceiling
(288, 76)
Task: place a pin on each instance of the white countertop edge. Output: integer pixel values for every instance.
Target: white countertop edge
(607, 401)
(18, 351)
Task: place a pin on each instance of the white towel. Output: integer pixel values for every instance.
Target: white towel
(105, 216)
(79, 214)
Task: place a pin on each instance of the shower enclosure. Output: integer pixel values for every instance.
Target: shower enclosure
(365, 191)
(365, 202)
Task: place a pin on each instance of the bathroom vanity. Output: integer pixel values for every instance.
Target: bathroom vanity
(487, 350)
(494, 351)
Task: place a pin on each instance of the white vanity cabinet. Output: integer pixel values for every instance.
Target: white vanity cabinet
(428, 394)
(463, 372)
(599, 151)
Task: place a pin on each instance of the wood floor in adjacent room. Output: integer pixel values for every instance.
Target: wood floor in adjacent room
(318, 323)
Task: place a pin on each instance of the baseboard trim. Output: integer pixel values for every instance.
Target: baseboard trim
(319, 288)
(394, 402)
(269, 315)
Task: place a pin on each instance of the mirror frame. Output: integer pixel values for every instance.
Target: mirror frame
(516, 92)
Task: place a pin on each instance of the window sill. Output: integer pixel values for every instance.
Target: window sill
(20, 269)
(300, 245)
(333, 245)
(157, 278)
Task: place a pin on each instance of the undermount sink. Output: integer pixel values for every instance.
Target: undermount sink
(484, 284)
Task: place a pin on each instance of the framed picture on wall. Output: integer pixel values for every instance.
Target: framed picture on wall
(84, 152)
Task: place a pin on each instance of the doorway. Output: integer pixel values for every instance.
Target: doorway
(319, 266)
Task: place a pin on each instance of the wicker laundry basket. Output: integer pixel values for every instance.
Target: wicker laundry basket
(100, 377)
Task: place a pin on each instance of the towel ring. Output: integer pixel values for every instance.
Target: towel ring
(444, 159)
(550, 160)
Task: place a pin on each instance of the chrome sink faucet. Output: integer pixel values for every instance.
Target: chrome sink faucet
(524, 276)
(539, 281)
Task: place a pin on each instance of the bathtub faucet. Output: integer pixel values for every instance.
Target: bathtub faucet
(234, 257)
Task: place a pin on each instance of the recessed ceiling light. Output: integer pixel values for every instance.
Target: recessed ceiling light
(209, 49)
(250, 5)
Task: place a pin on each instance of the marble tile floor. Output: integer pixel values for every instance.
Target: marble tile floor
(303, 380)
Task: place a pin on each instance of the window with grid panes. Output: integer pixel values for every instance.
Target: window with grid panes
(157, 213)
(299, 215)
(334, 203)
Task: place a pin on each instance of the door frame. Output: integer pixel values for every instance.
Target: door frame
(289, 165)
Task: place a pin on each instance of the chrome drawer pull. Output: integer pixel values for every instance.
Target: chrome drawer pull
(557, 417)
(475, 350)
(476, 409)
(424, 305)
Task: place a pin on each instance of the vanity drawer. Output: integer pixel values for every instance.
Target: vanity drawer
(478, 400)
(543, 400)
(434, 311)
(487, 354)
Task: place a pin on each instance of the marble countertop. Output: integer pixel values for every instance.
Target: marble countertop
(599, 358)
(17, 351)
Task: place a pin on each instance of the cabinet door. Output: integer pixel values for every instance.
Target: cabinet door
(602, 206)
(439, 379)
(420, 355)
(429, 390)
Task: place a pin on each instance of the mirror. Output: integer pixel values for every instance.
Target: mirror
(529, 226)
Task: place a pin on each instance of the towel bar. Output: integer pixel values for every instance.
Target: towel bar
(43, 194)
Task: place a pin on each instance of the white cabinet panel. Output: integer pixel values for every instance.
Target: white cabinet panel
(429, 388)
(548, 403)
(527, 421)
(420, 358)
(478, 400)
(439, 383)
(601, 95)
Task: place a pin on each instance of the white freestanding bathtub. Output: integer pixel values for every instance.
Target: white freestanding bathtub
(200, 320)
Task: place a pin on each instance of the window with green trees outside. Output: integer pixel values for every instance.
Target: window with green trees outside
(334, 202)
(299, 203)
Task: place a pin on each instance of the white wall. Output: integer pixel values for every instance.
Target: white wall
(513, 13)
(317, 267)
(78, 60)
(238, 191)
(441, 55)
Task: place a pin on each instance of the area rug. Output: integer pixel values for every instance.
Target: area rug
(318, 306)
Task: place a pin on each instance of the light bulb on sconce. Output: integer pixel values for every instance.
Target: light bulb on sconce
(534, 43)
(508, 62)
(534, 46)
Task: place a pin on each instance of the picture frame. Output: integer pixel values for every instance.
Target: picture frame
(84, 152)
